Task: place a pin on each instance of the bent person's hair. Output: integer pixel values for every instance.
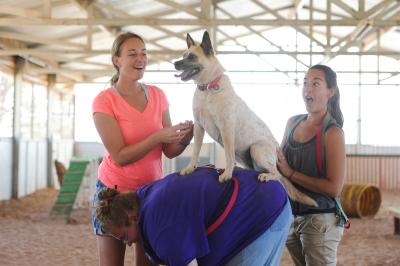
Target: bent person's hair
(334, 101)
(113, 207)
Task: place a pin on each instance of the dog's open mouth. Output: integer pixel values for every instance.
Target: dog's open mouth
(188, 74)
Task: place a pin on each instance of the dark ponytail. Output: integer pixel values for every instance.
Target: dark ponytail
(334, 101)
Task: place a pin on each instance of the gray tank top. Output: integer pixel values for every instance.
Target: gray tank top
(302, 158)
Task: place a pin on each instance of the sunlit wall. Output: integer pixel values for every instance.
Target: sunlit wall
(368, 97)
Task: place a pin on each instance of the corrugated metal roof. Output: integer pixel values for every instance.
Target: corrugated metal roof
(59, 31)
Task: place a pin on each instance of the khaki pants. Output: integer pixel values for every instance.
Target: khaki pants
(314, 238)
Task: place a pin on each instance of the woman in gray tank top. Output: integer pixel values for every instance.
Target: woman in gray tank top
(313, 158)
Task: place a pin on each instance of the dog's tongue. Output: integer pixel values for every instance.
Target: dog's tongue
(184, 74)
(179, 75)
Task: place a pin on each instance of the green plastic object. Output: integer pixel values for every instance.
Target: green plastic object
(70, 188)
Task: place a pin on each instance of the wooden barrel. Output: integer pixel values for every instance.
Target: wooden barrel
(360, 200)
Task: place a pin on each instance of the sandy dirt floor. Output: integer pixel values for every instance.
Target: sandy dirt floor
(30, 237)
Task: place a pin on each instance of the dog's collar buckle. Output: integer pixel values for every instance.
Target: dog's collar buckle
(213, 85)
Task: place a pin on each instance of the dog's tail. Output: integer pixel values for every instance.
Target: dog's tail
(296, 195)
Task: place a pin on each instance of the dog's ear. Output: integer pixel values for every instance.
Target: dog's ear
(189, 40)
(206, 44)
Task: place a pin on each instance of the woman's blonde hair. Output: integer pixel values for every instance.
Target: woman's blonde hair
(113, 207)
(116, 50)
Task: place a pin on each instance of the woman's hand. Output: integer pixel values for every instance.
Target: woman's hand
(188, 125)
(282, 164)
(176, 133)
(176, 138)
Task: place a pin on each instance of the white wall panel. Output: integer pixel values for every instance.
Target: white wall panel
(6, 168)
(41, 171)
(22, 169)
(31, 162)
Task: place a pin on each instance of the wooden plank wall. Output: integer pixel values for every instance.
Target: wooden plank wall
(382, 171)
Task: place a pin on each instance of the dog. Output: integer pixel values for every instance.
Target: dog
(60, 170)
(219, 111)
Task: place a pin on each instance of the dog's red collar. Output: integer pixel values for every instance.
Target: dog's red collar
(213, 85)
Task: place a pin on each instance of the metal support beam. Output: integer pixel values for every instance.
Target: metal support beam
(363, 30)
(206, 13)
(46, 8)
(19, 68)
(187, 22)
(69, 51)
(180, 7)
(19, 12)
(361, 8)
(38, 40)
(346, 8)
(297, 6)
(50, 52)
(51, 82)
(281, 18)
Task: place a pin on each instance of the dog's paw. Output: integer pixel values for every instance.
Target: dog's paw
(225, 176)
(189, 169)
(264, 177)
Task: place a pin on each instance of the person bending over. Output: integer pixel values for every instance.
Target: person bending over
(195, 220)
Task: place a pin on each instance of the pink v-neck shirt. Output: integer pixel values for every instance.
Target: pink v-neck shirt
(134, 126)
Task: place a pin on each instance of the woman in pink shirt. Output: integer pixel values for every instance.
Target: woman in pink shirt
(134, 124)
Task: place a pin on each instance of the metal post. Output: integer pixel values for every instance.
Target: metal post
(51, 80)
(19, 67)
